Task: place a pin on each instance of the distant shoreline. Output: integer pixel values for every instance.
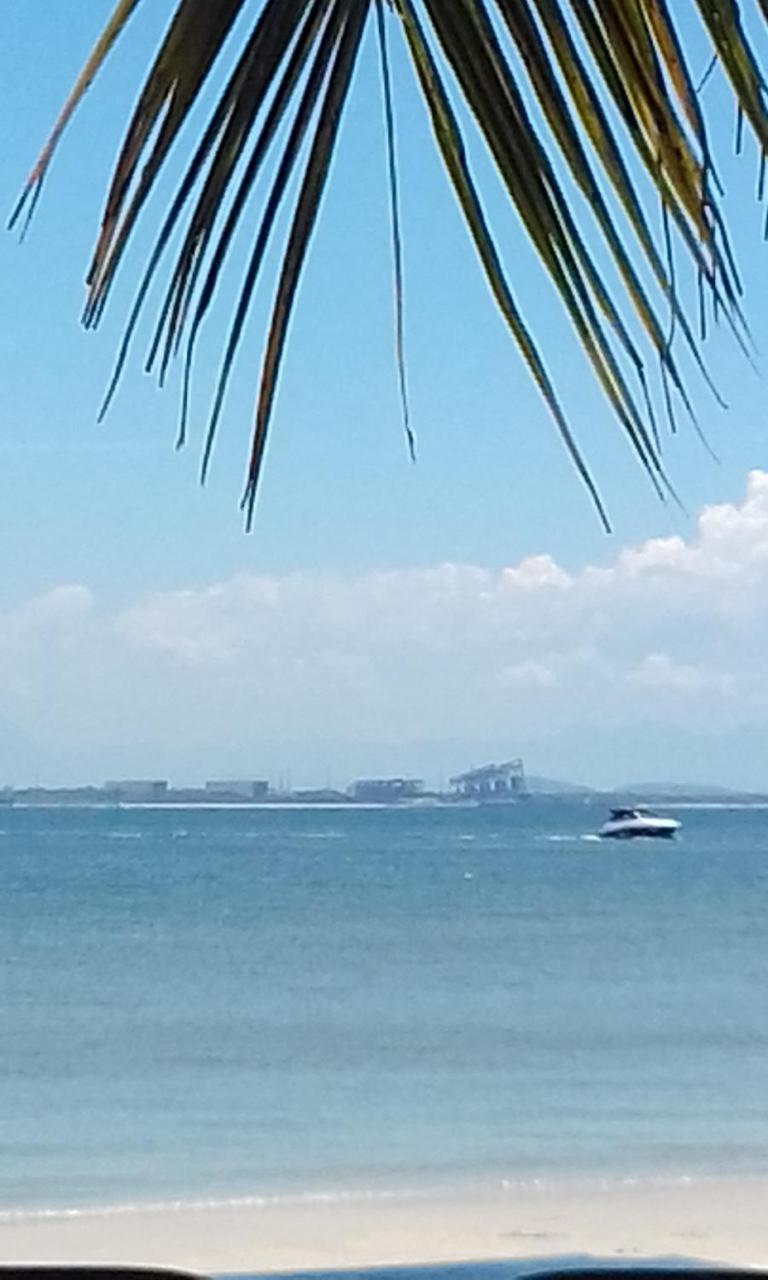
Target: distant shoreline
(594, 799)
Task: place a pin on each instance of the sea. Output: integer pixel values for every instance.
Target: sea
(240, 1005)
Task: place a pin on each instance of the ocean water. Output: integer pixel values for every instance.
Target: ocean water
(217, 1005)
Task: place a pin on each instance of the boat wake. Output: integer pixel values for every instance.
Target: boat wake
(575, 838)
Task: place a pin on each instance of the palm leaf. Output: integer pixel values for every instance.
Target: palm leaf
(98, 56)
(567, 95)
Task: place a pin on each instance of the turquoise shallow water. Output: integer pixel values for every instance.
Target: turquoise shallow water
(222, 1004)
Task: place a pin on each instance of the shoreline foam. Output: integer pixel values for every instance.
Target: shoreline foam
(716, 1219)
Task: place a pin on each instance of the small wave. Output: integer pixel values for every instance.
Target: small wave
(604, 1183)
(135, 1208)
(125, 835)
(607, 1183)
(578, 1183)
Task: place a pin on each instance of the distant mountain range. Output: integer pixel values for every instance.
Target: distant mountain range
(644, 791)
(679, 788)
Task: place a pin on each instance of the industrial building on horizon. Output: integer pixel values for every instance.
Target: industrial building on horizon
(493, 783)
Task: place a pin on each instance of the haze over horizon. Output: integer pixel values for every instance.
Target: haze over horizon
(651, 667)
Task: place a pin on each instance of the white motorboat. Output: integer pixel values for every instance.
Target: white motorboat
(633, 824)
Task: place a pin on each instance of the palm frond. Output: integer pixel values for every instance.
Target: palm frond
(591, 96)
(397, 234)
(98, 56)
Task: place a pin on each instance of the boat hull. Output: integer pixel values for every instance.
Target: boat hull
(665, 829)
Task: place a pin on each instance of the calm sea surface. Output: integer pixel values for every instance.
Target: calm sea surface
(221, 1004)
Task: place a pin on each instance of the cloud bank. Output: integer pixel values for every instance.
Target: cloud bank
(668, 639)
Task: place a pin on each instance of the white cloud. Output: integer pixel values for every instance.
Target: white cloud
(529, 673)
(673, 632)
(659, 671)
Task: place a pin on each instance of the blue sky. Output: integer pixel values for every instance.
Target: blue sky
(116, 511)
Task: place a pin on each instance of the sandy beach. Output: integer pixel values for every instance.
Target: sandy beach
(722, 1220)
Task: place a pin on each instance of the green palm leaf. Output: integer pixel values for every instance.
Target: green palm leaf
(598, 90)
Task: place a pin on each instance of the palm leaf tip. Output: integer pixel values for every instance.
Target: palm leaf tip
(596, 97)
(32, 188)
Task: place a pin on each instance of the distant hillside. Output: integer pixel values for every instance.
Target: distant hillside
(539, 786)
(702, 792)
(677, 788)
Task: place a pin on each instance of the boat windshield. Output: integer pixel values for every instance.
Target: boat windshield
(623, 815)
